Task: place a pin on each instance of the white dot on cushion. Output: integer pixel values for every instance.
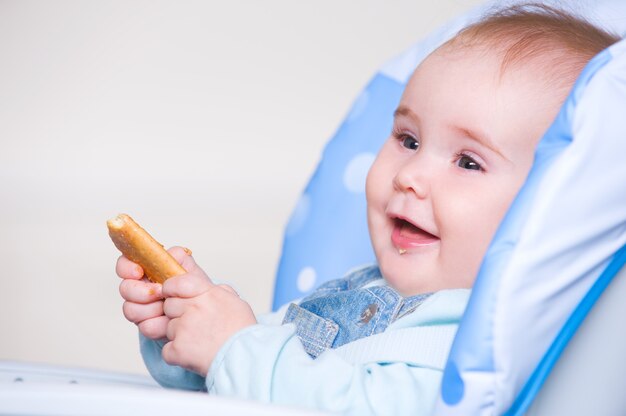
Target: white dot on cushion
(306, 279)
(299, 215)
(356, 172)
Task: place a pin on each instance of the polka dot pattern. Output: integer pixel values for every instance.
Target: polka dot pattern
(327, 233)
(306, 279)
(355, 173)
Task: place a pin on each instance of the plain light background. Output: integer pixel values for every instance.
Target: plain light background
(201, 119)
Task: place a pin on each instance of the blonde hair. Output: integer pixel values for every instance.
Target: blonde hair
(561, 42)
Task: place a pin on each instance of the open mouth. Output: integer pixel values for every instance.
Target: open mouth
(406, 235)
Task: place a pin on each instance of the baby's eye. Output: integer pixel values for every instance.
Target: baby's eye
(409, 142)
(466, 162)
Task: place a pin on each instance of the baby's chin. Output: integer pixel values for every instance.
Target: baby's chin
(404, 282)
(412, 274)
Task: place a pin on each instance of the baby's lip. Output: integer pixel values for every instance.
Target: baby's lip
(400, 219)
(406, 234)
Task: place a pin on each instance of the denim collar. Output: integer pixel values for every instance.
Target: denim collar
(344, 310)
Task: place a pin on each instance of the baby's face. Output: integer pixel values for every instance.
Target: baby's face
(462, 145)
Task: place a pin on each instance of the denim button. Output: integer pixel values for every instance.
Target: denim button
(368, 313)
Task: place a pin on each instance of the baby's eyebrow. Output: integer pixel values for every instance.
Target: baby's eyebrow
(405, 111)
(480, 139)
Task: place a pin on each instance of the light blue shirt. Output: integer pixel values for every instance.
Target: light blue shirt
(267, 362)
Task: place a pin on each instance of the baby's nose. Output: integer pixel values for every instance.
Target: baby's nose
(413, 176)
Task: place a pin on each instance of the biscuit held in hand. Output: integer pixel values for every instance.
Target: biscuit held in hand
(139, 246)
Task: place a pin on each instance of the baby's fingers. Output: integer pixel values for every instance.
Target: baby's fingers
(186, 286)
(184, 257)
(139, 291)
(126, 269)
(155, 328)
(137, 312)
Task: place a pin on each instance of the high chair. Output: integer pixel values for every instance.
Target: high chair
(560, 245)
(541, 334)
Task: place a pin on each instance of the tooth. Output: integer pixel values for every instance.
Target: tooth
(401, 251)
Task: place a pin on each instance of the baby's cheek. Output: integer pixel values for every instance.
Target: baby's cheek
(473, 228)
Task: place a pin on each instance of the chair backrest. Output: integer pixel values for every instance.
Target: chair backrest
(327, 233)
(539, 266)
(554, 253)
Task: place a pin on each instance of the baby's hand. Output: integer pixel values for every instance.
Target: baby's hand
(143, 300)
(203, 316)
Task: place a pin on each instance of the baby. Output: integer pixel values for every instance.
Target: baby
(462, 145)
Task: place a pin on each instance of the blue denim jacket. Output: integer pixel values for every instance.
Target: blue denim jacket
(344, 310)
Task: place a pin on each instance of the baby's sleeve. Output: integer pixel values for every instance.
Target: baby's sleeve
(269, 364)
(177, 377)
(166, 375)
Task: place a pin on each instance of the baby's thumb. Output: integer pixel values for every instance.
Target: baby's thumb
(184, 258)
(188, 285)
